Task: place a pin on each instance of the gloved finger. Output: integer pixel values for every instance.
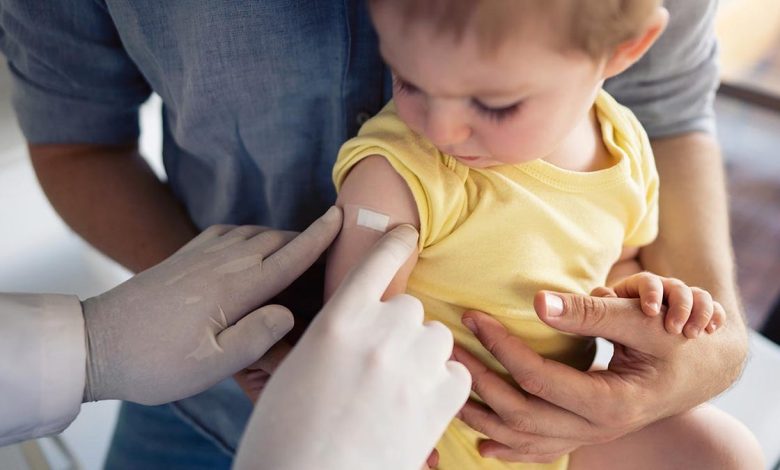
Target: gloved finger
(452, 392)
(250, 279)
(244, 232)
(206, 236)
(369, 279)
(268, 242)
(405, 312)
(252, 336)
(286, 255)
(432, 348)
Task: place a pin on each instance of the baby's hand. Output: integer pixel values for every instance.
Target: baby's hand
(689, 310)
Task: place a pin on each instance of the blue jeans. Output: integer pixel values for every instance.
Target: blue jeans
(181, 435)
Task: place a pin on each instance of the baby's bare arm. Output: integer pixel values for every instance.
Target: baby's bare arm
(372, 185)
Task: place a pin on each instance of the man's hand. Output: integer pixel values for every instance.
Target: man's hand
(687, 310)
(191, 321)
(652, 375)
(367, 386)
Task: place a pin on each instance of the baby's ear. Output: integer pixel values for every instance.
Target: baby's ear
(630, 51)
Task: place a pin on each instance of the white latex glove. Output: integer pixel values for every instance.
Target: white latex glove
(193, 320)
(368, 386)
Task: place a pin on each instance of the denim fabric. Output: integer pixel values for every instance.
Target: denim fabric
(154, 437)
(258, 96)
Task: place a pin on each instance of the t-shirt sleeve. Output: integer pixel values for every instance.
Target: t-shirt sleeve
(72, 80)
(644, 228)
(433, 184)
(672, 88)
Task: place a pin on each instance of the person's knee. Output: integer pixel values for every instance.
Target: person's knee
(720, 440)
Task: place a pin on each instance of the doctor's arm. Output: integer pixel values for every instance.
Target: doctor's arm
(165, 334)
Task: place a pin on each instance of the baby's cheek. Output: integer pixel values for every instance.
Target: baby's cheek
(411, 110)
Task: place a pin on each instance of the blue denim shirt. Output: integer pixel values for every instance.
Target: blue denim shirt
(258, 96)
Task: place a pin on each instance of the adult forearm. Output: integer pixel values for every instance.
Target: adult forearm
(111, 197)
(694, 243)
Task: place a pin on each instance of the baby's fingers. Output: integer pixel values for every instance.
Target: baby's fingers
(603, 292)
(718, 317)
(648, 287)
(680, 300)
(651, 293)
(700, 314)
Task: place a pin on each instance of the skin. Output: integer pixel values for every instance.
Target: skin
(110, 196)
(654, 376)
(692, 196)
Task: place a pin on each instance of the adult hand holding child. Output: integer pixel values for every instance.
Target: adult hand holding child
(653, 375)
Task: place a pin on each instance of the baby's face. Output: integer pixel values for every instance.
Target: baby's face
(516, 105)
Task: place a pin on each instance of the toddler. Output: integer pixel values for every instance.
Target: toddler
(521, 174)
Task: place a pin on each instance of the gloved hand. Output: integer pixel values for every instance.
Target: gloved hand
(367, 386)
(189, 322)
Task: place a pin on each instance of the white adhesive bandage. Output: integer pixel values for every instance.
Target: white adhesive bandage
(373, 220)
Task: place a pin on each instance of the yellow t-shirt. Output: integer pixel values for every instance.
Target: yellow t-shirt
(491, 238)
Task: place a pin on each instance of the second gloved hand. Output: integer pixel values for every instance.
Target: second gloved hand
(367, 386)
(193, 320)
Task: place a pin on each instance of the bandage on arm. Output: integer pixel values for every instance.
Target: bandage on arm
(374, 199)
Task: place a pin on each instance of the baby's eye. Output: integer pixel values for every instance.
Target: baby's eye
(404, 86)
(496, 114)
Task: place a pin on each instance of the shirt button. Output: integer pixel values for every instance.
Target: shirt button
(362, 117)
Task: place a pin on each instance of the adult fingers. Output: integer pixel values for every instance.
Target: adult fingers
(370, 278)
(253, 336)
(265, 264)
(458, 384)
(264, 241)
(502, 397)
(496, 450)
(487, 422)
(431, 347)
(550, 380)
(292, 258)
(206, 236)
(558, 417)
(618, 320)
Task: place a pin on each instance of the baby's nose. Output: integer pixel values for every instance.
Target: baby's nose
(446, 126)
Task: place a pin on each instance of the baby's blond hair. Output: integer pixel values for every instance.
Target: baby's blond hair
(593, 26)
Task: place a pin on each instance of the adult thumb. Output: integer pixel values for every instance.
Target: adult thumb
(618, 320)
(252, 336)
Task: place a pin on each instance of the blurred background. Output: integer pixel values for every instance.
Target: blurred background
(38, 253)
